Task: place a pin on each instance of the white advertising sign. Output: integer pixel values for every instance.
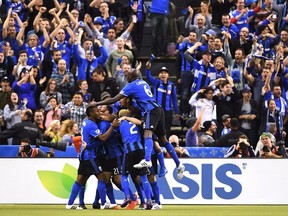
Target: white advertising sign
(206, 181)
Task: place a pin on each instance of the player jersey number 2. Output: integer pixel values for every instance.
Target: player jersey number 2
(132, 131)
(148, 91)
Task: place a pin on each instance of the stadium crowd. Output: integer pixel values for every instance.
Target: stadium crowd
(58, 58)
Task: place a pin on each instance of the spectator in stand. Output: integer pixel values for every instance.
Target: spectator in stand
(90, 62)
(243, 41)
(204, 71)
(107, 20)
(102, 83)
(164, 92)
(194, 125)
(51, 132)
(203, 23)
(230, 138)
(50, 62)
(50, 91)
(22, 63)
(5, 92)
(229, 27)
(68, 130)
(65, 81)
(180, 151)
(25, 87)
(225, 102)
(282, 13)
(159, 23)
(76, 108)
(115, 55)
(240, 16)
(12, 112)
(242, 149)
(204, 11)
(6, 61)
(83, 88)
(58, 36)
(269, 150)
(203, 98)
(23, 129)
(34, 49)
(226, 119)
(53, 111)
(39, 120)
(219, 8)
(208, 138)
(269, 115)
(246, 110)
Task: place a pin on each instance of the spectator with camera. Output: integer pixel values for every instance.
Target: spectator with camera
(269, 150)
(26, 151)
(242, 149)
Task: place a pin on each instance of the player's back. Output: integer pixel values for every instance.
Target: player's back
(131, 136)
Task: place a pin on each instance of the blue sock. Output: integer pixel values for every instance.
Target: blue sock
(110, 194)
(125, 186)
(102, 191)
(97, 196)
(156, 191)
(146, 186)
(160, 157)
(74, 192)
(140, 192)
(81, 195)
(148, 148)
(169, 147)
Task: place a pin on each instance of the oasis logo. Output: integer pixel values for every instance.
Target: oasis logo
(199, 181)
(224, 175)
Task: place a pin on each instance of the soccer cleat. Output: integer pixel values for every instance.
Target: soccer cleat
(96, 205)
(125, 203)
(81, 207)
(142, 206)
(71, 207)
(109, 205)
(143, 164)
(131, 205)
(163, 171)
(149, 205)
(156, 206)
(180, 171)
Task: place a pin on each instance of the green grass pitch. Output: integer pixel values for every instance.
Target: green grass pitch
(177, 210)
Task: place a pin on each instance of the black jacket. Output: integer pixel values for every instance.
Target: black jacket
(19, 131)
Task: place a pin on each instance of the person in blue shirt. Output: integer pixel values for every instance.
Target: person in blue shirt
(90, 163)
(154, 121)
(165, 94)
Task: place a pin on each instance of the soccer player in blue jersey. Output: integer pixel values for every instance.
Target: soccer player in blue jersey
(92, 141)
(154, 121)
(133, 152)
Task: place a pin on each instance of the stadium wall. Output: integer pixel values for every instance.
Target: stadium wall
(206, 181)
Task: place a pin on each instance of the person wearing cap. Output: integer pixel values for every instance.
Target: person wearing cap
(226, 124)
(230, 138)
(208, 138)
(165, 94)
(240, 15)
(269, 150)
(204, 71)
(246, 110)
